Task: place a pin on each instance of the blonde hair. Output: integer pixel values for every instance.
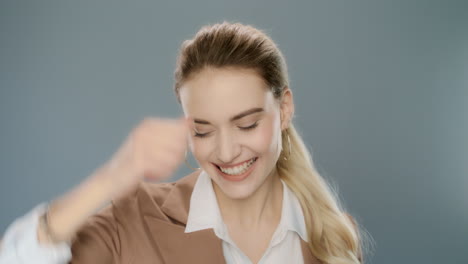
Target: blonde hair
(334, 237)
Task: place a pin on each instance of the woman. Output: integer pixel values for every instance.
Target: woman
(257, 197)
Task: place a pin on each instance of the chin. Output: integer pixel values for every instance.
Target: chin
(236, 192)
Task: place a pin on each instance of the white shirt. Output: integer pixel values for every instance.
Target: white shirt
(20, 244)
(285, 244)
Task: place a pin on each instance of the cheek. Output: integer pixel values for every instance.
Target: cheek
(201, 149)
(266, 137)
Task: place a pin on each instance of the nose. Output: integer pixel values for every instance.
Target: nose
(228, 149)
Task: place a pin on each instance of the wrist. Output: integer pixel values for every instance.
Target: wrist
(45, 231)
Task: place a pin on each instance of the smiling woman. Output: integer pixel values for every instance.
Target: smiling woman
(257, 197)
(243, 74)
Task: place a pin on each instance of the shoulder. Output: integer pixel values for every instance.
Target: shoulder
(158, 194)
(121, 227)
(164, 201)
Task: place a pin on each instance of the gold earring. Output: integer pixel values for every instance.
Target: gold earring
(289, 146)
(188, 165)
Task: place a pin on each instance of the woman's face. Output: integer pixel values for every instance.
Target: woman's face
(236, 137)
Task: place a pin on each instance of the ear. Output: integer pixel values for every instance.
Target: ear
(286, 108)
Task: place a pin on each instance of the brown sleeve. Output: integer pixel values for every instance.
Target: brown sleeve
(97, 241)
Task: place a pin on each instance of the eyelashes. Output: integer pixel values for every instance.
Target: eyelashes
(202, 135)
(254, 125)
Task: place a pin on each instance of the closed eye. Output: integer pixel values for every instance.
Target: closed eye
(202, 135)
(254, 125)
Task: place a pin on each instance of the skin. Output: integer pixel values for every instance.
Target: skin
(251, 208)
(155, 148)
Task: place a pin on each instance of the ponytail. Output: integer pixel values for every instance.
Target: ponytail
(333, 235)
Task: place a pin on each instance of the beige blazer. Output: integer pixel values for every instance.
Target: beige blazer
(147, 226)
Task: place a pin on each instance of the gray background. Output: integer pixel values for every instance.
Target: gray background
(381, 91)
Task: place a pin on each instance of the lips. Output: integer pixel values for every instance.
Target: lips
(234, 165)
(239, 177)
(237, 166)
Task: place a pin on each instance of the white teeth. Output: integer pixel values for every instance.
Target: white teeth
(238, 169)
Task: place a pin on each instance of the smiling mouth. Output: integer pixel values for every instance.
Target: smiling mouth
(237, 170)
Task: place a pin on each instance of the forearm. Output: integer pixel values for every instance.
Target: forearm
(70, 211)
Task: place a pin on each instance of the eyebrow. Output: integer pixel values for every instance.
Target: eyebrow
(234, 118)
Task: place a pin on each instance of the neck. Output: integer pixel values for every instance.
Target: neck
(263, 206)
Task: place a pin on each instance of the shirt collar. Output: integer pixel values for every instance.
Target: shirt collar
(204, 211)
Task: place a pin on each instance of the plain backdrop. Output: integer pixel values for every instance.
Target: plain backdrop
(381, 90)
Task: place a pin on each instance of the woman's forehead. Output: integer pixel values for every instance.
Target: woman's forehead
(224, 81)
(224, 92)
